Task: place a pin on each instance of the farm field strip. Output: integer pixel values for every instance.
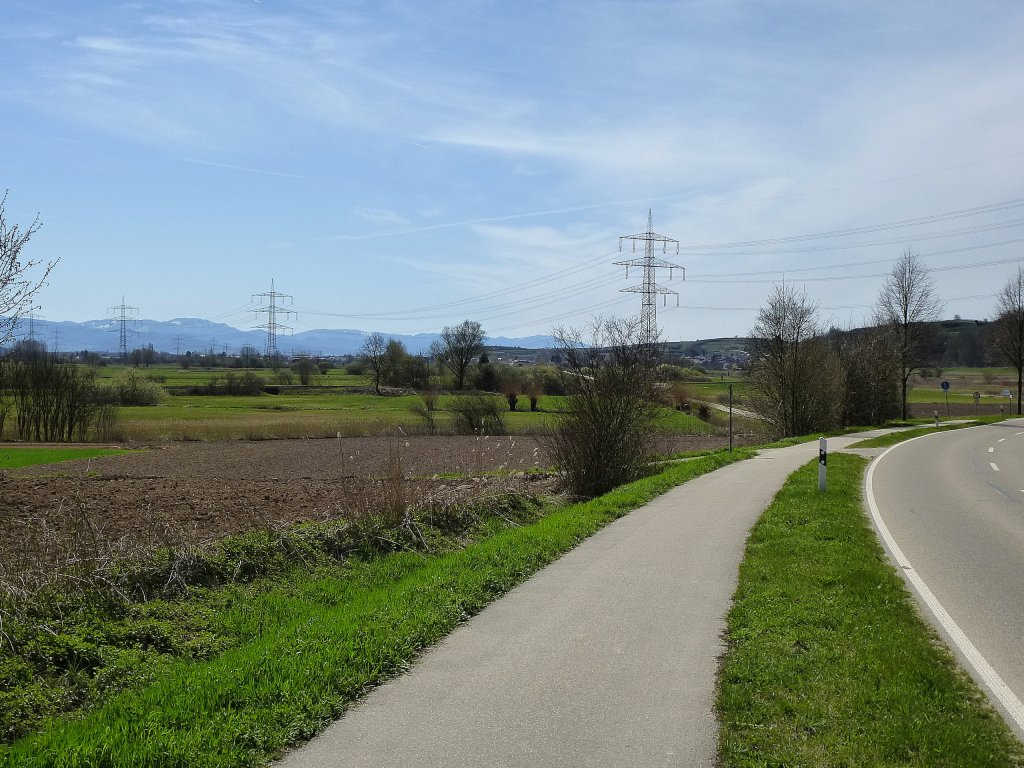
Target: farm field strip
(15, 456)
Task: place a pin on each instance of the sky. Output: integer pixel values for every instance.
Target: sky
(400, 166)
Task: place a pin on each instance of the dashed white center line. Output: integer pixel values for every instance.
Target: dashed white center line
(993, 465)
(991, 449)
(1001, 440)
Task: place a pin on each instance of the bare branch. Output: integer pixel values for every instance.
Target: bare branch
(18, 287)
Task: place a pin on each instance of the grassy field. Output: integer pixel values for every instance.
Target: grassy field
(326, 414)
(12, 457)
(284, 657)
(963, 383)
(336, 403)
(176, 376)
(828, 662)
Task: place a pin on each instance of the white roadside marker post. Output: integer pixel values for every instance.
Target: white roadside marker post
(822, 461)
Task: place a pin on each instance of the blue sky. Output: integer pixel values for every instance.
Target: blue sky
(401, 166)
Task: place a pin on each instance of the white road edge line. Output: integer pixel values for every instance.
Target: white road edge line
(991, 678)
(993, 465)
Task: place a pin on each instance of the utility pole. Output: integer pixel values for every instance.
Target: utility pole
(123, 315)
(651, 264)
(272, 307)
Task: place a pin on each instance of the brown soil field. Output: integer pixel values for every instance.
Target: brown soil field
(191, 492)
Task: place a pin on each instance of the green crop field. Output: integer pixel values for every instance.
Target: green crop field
(327, 414)
(176, 376)
(12, 457)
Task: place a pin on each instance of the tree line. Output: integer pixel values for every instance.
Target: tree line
(805, 378)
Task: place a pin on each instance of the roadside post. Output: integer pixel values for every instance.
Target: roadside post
(730, 418)
(945, 391)
(822, 461)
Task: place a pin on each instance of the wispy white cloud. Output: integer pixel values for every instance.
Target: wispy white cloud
(380, 216)
(245, 169)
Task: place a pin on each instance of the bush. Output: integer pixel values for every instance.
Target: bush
(548, 380)
(231, 383)
(133, 389)
(477, 415)
(602, 437)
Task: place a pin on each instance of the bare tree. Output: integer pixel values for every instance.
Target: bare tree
(870, 374)
(1008, 328)
(601, 438)
(793, 373)
(17, 288)
(908, 307)
(375, 350)
(457, 347)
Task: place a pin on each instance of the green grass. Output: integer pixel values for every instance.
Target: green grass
(326, 413)
(828, 662)
(892, 438)
(314, 643)
(12, 457)
(176, 376)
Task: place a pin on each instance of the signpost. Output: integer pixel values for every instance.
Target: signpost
(945, 391)
(977, 397)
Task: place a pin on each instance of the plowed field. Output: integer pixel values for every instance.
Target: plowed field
(193, 492)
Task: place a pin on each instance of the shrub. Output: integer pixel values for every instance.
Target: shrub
(602, 437)
(133, 389)
(477, 415)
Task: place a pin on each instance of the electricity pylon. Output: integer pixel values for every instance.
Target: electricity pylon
(650, 288)
(272, 310)
(123, 315)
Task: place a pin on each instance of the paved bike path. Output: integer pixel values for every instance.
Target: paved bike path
(607, 657)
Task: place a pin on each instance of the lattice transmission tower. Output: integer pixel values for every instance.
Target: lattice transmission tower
(273, 308)
(651, 264)
(124, 316)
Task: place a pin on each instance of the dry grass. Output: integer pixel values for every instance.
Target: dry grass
(255, 426)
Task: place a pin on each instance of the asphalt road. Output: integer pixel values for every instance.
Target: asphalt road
(605, 658)
(953, 502)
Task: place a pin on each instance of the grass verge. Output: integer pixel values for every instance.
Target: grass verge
(828, 661)
(315, 642)
(892, 438)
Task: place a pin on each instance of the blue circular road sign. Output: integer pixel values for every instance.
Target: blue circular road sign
(945, 386)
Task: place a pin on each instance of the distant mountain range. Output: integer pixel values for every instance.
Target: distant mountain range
(192, 334)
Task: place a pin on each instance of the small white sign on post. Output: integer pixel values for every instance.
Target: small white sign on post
(822, 462)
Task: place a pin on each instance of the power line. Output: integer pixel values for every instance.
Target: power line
(414, 312)
(947, 216)
(872, 243)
